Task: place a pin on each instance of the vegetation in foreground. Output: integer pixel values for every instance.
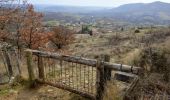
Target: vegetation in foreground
(144, 47)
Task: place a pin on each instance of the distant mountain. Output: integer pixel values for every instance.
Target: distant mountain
(155, 13)
(67, 9)
(137, 13)
(144, 7)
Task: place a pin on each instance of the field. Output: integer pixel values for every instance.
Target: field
(76, 52)
(123, 47)
(83, 46)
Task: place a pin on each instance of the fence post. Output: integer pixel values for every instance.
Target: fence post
(30, 67)
(8, 61)
(100, 80)
(41, 68)
(18, 63)
(107, 72)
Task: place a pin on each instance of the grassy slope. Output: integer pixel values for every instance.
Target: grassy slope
(123, 51)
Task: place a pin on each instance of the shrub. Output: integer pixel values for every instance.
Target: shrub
(155, 36)
(115, 39)
(112, 92)
(62, 37)
(155, 59)
(137, 31)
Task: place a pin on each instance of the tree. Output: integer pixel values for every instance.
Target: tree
(10, 12)
(11, 17)
(5, 18)
(20, 24)
(62, 37)
(32, 32)
(86, 30)
(18, 20)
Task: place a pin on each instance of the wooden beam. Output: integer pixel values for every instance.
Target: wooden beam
(41, 68)
(107, 71)
(30, 68)
(130, 88)
(100, 80)
(18, 62)
(8, 62)
(85, 61)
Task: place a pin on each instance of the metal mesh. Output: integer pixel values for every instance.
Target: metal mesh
(73, 75)
(79, 77)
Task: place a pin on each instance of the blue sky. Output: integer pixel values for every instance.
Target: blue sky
(103, 3)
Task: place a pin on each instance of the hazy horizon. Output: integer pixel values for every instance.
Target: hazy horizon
(95, 3)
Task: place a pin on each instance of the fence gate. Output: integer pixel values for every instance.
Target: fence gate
(4, 73)
(78, 75)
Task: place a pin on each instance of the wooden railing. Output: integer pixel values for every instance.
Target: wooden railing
(86, 77)
(9, 66)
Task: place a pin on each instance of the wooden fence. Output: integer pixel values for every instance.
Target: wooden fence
(9, 65)
(86, 77)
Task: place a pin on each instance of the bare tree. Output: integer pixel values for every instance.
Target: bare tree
(62, 37)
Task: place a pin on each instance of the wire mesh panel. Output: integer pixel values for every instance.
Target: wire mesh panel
(76, 76)
(86, 77)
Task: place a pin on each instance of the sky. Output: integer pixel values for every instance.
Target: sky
(99, 3)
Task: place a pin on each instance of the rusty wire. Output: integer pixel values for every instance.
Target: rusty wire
(79, 77)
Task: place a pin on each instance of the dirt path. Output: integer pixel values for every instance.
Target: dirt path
(42, 93)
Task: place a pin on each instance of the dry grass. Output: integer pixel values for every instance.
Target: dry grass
(112, 92)
(86, 46)
(131, 57)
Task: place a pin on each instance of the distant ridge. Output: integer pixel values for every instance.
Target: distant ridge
(155, 12)
(68, 9)
(154, 6)
(135, 13)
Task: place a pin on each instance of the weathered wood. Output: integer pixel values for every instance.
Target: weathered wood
(89, 62)
(130, 88)
(8, 61)
(107, 71)
(18, 63)
(125, 77)
(100, 82)
(41, 68)
(30, 67)
(4, 62)
(64, 87)
(103, 75)
(103, 70)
